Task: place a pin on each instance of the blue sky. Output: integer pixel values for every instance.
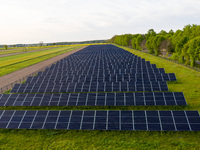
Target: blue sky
(32, 21)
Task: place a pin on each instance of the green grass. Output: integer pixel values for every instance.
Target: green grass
(188, 82)
(22, 49)
(61, 139)
(12, 63)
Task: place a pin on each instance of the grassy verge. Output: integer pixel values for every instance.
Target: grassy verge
(12, 63)
(188, 82)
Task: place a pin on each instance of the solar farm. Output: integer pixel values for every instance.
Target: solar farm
(99, 75)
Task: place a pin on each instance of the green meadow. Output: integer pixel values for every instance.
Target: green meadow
(15, 62)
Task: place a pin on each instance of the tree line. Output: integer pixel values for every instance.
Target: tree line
(182, 45)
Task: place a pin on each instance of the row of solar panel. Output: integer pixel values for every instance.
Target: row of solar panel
(105, 62)
(101, 74)
(86, 72)
(98, 71)
(102, 120)
(85, 66)
(107, 65)
(93, 99)
(103, 78)
(89, 87)
(110, 61)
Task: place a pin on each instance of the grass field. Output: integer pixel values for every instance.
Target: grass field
(22, 49)
(188, 82)
(15, 62)
(13, 50)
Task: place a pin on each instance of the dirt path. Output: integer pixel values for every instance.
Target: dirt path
(4, 55)
(9, 80)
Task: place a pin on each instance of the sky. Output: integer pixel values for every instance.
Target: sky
(32, 21)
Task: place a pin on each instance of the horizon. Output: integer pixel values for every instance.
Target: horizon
(52, 42)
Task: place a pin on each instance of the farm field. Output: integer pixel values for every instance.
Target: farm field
(188, 82)
(12, 50)
(15, 62)
(22, 49)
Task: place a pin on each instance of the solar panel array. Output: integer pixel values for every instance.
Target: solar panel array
(103, 75)
(101, 120)
(98, 69)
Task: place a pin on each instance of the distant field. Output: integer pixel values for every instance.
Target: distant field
(188, 82)
(13, 50)
(15, 62)
(22, 49)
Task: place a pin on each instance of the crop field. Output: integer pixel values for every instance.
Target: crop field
(188, 82)
(15, 62)
(23, 49)
(13, 50)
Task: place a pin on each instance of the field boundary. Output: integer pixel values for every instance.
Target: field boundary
(9, 80)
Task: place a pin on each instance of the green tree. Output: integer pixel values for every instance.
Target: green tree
(156, 43)
(171, 32)
(150, 33)
(193, 50)
(6, 47)
(139, 40)
(149, 45)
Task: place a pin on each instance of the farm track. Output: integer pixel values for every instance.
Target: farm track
(5, 55)
(14, 77)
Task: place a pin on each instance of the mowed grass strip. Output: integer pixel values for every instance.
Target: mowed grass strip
(97, 140)
(12, 63)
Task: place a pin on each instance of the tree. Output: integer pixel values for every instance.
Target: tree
(156, 43)
(149, 45)
(171, 32)
(150, 33)
(139, 40)
(163, 33)
(6, 47)
(194, 50)
(41, 43)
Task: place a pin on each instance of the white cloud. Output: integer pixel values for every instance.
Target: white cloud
(32, 21)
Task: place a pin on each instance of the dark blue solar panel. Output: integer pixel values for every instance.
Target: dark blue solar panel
(101, 120)
(94, 99)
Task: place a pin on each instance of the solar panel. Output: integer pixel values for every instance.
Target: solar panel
(101, 78)
(101, 120)
(91, 87)
(93, 99)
